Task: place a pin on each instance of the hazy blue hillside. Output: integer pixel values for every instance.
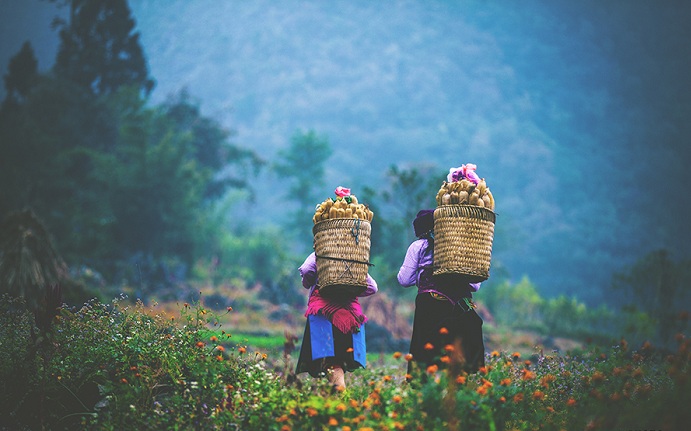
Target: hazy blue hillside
(551, 100)
(575, 112)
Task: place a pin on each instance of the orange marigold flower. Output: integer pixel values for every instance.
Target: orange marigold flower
(397, 399)
(483, 370)
(408, 376)
(495, 354)
(229, 309)
(449, 348)
(242, 349)
(186, 305)
(502, 400)
(527, 363)
(598, 377)
(571, 402)
(213, 338)
(311, 412)
(443, 331)
(341, 407)
(528, 375)
(538, 395)
(398, 426)
(550, 409)
(285, 428)
(445, 359)
(432, 369)
(516, 355)
(637, 373)
(200, 344)
(482, 390)
(429, 346)
(123, 380)
(346, 428)
(387, 378)
(461, 380)
(220, 348)
(397, 355)
(349, 350)
(333, 422)
(505, 382)
(409, 357)
(518, 397)
(219, 357)
(353, 403)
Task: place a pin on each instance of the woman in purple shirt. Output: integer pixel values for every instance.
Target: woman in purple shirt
(444, 311)
(334, 339)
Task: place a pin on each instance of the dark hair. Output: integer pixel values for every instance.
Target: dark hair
(423, 223)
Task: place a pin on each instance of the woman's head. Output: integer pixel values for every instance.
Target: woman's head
(424, 222)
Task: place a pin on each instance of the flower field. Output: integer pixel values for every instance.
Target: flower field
(127, 366)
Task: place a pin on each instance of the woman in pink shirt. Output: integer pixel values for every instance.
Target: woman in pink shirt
(444, 311)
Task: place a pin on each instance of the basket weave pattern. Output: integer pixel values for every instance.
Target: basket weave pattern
(463, 236)
(342, 247)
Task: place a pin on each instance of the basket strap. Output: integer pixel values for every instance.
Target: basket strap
(344, 260)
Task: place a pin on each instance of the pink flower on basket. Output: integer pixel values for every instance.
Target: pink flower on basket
(464, 171)
(454, 175)
(342, 191)
(469, 172)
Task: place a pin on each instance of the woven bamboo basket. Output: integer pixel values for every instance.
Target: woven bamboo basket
(342, 247)
(463, 236)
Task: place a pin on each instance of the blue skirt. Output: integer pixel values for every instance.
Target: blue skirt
(324, 346)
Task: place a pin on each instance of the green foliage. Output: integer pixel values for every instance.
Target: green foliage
(521, 306)
(301, 165)
(518, 305)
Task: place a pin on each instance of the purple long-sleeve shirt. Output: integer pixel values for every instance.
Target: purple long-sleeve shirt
(418, 256)
(308, 271)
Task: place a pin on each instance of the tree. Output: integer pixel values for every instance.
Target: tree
(226, 165)
(22, 74)
(99, 49)
(302, 165)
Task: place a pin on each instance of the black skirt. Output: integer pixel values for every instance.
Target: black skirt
(461, 325)
(325, 346)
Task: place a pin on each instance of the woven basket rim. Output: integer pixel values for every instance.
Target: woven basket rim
(488, 213)
(323, 223)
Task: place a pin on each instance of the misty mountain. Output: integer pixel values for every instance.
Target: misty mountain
(574, 112)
